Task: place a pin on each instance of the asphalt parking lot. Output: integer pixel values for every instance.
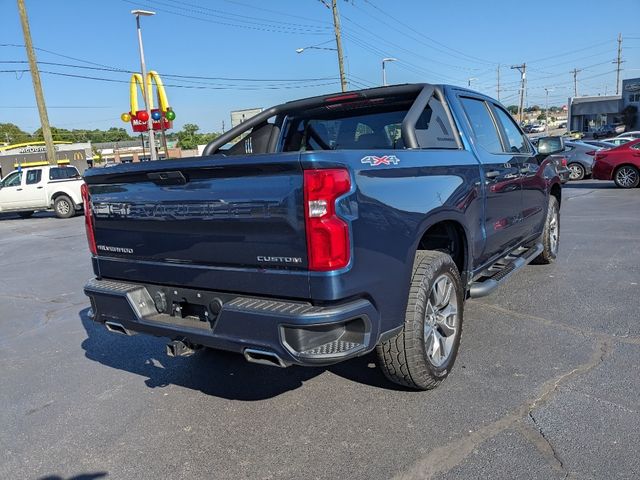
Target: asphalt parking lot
(546, 384)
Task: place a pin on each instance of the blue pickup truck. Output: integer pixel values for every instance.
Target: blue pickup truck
(332, 226)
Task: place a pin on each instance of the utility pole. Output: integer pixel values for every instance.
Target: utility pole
(575, 72)
(523, 78)
(498, 87)
(37, 85)
(336, 27)
(146, 94)
(546, 108)
(619, 62)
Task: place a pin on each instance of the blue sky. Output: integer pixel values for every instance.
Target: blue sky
(439, 42)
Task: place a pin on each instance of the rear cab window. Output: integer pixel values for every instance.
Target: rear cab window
(373, 124)
(63, 173)
(34, 176)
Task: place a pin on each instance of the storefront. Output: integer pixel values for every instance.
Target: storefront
(586, 114)
(34, 154)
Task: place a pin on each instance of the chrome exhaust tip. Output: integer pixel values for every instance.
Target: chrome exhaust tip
(116, 327)
(263, 357)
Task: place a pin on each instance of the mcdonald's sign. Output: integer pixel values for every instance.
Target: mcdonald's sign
(161, 117)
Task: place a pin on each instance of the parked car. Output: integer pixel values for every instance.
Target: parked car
(338, 225)
(604, 131)
(574, 134)
(620, 164)
(562, 125)
(536, 128)
(579, 157)
(598, 143)
(28, 190)
(633, 134)
(617, 141)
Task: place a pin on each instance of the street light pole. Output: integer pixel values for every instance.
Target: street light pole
(146, 93)
(546, 109)
(384, 71)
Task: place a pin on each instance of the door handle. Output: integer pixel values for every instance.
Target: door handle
(18, 189)
(492, 173)
(39, 188)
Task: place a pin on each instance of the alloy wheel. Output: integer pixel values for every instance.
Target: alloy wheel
(627, 177)
(441, 320)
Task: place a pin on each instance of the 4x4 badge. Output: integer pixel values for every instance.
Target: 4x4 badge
(375, 161)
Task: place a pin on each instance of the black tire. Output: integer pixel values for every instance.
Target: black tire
(405, 358)
(626, 176)
(576, 171)
(26, 214)
(550, 238)
(64, 207)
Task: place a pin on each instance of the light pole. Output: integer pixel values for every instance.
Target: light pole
(384, 71)
(546, 108)
(146, 93)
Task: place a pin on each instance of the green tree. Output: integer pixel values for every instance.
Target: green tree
(629, 115)
(188, 137)
(512, 109)
(11, 133)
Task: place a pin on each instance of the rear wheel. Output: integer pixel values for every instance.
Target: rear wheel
(576, 171)
(626, 177)
(550, 238)
(422, 354)
(25, 214)
(64, 207)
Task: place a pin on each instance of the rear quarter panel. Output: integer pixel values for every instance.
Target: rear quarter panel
(389, 209)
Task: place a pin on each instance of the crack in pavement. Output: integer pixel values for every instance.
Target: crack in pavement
(536, 436)
(446, 457)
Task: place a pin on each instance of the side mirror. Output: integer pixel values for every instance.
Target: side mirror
(550, 145)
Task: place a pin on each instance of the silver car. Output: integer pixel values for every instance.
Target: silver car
(579, 157)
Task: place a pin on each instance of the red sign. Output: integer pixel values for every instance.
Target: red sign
(140, 126)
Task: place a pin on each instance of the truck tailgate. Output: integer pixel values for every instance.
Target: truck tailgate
(240, 214)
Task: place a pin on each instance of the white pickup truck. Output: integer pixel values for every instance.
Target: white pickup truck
(42, 188)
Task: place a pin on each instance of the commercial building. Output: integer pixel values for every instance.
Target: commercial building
(588, 113)
(34, 153)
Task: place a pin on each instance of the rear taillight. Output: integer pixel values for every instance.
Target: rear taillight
(88, 218)
(591, 152)
(563, 161)
(328, 242)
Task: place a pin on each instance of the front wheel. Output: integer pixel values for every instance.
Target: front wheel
(422, 354)
(63, 206)
(576, 171)
(626, 177)
(550, 238)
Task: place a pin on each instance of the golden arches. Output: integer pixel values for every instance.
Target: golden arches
(146, 87)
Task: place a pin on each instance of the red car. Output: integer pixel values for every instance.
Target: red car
(620, 164)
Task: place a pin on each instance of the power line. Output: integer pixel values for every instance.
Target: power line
(264, 28)
(169, 75)
(405, 26)
(196, 87)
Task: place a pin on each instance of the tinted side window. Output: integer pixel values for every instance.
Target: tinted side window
(433, 129)
(63, 173)
(482, 124)
(34, 176)
(13, 180)
(517, 142)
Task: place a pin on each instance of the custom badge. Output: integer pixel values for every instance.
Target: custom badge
(375, 161)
